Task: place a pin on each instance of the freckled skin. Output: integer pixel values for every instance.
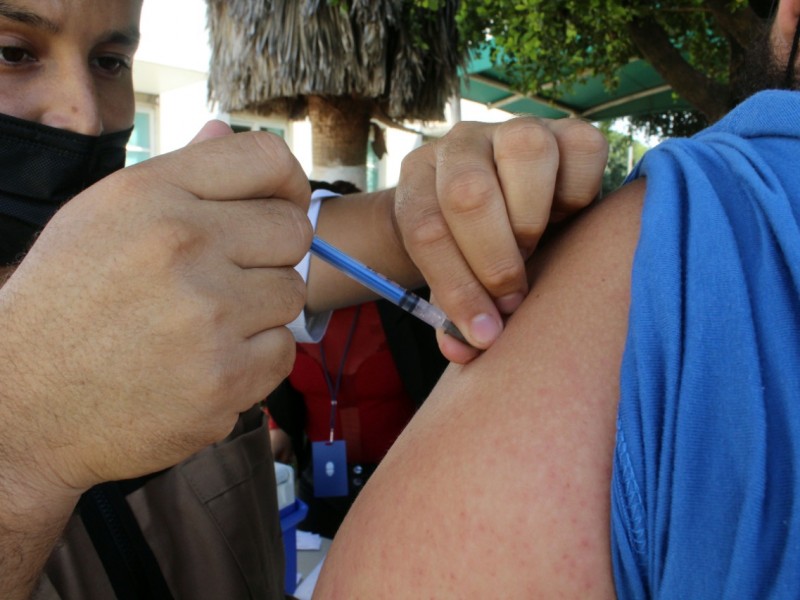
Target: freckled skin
(514, 449)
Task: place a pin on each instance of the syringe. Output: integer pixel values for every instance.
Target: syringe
(385, 288)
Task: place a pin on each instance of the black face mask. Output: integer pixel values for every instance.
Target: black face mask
(42, 167)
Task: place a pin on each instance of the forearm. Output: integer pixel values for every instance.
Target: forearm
(361, 225)
(33, 511)
(25, 544)
(34, 504)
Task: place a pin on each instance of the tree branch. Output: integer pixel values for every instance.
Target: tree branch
(742, 25)
(705, 94)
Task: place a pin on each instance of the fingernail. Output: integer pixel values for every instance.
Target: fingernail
(508, 304)
(484, 329)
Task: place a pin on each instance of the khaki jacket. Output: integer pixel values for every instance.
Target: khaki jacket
(212, 523)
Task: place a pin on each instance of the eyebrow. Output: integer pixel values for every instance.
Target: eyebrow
(125, 37)
(128, 37)
(25, 16)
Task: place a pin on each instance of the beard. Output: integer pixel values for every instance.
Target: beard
(763, 70)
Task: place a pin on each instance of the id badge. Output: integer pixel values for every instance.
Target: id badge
(330, 468)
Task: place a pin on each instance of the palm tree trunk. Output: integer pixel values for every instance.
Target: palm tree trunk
(340, 133)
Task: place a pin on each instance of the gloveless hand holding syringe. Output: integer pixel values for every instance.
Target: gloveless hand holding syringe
(385, 288)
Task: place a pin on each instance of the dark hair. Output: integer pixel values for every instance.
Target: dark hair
(338, 186)
(792, 57)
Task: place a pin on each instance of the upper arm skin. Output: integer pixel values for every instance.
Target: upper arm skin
(501, 483)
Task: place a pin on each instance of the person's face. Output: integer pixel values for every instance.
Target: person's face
(67, 63)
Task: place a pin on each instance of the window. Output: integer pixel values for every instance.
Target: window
(373, 169)
(141, 145)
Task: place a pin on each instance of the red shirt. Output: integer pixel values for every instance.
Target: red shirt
(373, 406)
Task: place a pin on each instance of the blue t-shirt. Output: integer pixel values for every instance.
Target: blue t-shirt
(706, 483)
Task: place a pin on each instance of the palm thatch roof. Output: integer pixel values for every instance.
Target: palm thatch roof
(267, 55)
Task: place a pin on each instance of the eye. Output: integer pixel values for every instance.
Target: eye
(112, 64)
(14, 55)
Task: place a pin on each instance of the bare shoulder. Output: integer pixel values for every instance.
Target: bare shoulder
(500, 485)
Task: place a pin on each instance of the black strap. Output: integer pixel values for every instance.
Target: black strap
(333, 388)
(129, 562)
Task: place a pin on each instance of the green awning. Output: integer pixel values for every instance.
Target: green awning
(641, 91)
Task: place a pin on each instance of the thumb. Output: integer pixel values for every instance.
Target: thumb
(212, 129)
(452, 349)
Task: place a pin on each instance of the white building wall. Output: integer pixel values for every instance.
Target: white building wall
(182, 112)
(301, 143)
(171, 67)
(398, 144)
(174, 34)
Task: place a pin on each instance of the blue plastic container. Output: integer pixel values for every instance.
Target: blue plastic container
(290, 516)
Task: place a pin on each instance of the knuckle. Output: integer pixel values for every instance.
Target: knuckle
(454, 290)
(424, 229)
(172, 241)
(525, 138)
(411, 160)
(201, 318)
(272, 151)
(272, 146)
(502, 274)
(572, 198)
(458, 293)
(468, 189)
(294, 292)
(304, 232)
(411, 188)
(585, 149)
(461, 141)
(295, 229)
(269, 370)
(247, 381)
(208, 311)
(214, 375)
(463, 128)
(527, 234)
(127, 183)
(578, 137)
(287, 296)
(283, 360)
